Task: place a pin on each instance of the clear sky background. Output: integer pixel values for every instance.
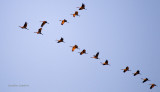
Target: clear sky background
(126, 32)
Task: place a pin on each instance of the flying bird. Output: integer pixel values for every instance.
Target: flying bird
(105, 63)
(83, 52)
(63, 21)
(96, 56)
(126, 69)
(43, 23)
(136, 73)
(24, 26)
(152, 85)
(75, 14)
(145, 80)
(82, 7)
(61, 40)
(39, 31)
(74, 47)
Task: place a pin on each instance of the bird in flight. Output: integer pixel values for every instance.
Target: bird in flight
(61, 40)
(24, 26)
(43, 23)
(75, 14)
(96, 56)
(145, 80)
(152, 85)
(136, 73)
(74, 47)
(82, 7)
(39, 31)
(105, 63)
(126, 69)
(63, 21)
(83, 52)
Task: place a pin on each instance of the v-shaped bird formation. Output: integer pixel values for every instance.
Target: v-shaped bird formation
(96, 56)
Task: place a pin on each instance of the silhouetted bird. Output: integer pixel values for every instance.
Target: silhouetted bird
(74, 47)
(82, 7)
(105, 63)
(127, 69)
(136, 73)
(43, 23)
(96, 56)
(63, 21)
(152, 85)
(39, 31)
(61, 40)
(75, 14)
(145, 80)
(83, 52)
(25, 26)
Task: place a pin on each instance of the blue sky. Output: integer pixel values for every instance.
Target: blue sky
(126, 32)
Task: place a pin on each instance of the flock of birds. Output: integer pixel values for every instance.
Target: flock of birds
(84, 51)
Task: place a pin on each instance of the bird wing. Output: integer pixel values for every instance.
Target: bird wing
(97, 54)
(76, 13)
(25, 25)
(83, 5)
(106, 61)
(39, 31)
(43, 24)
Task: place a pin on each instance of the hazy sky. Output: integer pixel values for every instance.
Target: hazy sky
(126, 32)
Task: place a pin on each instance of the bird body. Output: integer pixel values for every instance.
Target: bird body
(82, 7)
(145, 80)
(105, 63)
(83, 52)
(96, 56)
(136, 73)
(126, 69)
(61, 40)
(24, 26)
(63, 21)
(39, 31)
(75, 14)
(43, 23)
(152, 85)
(74, 47)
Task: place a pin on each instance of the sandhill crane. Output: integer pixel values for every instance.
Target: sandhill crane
(145, 80)
(39, 31)
(83, 52)
(82, 7)
(43, 23)
(74, 47)
(96, 56)
(136, 73)
(126, 69)
(63, 21)
(75, 14)
(61, 40)
(105, 63)
(24, 26)
(152, 85)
